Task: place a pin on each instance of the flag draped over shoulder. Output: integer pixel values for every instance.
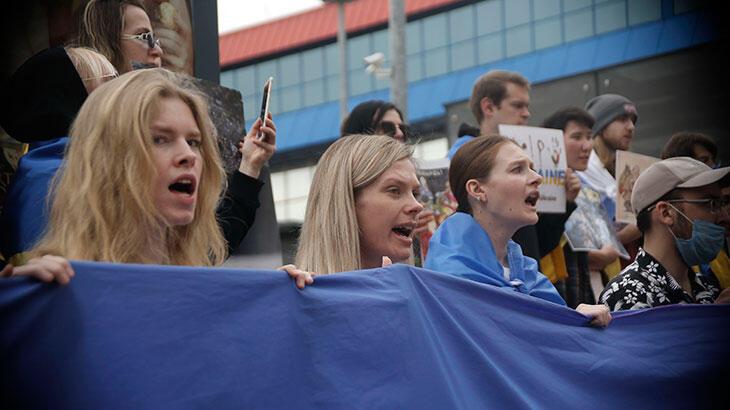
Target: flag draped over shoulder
(140, 336)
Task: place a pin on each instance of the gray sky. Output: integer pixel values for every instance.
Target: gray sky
(237, 14)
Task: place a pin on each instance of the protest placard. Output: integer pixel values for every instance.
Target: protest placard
(628, 167)
(546, 148)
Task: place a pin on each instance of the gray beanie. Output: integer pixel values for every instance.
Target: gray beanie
(607, 107)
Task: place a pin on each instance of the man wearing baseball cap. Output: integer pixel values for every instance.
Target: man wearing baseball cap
(679, 207)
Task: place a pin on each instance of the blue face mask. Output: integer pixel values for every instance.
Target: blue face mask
(704, 245)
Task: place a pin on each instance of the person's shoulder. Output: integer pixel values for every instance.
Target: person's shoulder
(459, 142)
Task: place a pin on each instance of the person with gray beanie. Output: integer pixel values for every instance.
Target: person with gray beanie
(615, 123)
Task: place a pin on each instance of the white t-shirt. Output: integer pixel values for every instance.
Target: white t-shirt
(506, 273)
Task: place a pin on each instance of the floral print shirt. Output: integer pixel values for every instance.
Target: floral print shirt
(645, 283)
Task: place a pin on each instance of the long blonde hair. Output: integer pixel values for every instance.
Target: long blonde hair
(330, 240)
(91, 65)
(103, 208)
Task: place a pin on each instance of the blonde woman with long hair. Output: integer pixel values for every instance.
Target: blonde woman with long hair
(140, 182)
(361, 209)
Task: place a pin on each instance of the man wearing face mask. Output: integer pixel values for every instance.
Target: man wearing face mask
(679, 210)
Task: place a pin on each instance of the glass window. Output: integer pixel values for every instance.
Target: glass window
(610, 16)
(578, 25)
(357, 49)
(570, 5)
(516, 12)
(265, 70)
(641, 11)
(297, 182)
(313, 92)
(360, 82)
(489, 17)
(290, 70)
(380, 43)
(545, 8)
(332, 62)
(277, 186)
(461, 24)
(463, 55)
(383, 83)
(413, 37)
(433, 149)
(227, 79)
(489, 48)
(434, 31)
(296, 209)
(312, 64)
(414, 66)
(437, 62)
(547, 33)
(274, 102)
(250, 107)
(333, 88)
(245, 80)
(291, 98)
(518, 40)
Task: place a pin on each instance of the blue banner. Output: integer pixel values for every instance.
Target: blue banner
(151, 337)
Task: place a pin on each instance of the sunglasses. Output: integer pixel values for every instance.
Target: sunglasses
(147, 37)
(390, 128)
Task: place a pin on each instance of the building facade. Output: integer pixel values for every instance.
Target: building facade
(655, 52)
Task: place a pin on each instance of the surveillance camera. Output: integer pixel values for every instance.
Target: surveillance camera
(375, 59)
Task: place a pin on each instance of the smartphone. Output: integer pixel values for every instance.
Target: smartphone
(265, 105)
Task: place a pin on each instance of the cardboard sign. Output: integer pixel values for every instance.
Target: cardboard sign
(628, 167)
(546, 149)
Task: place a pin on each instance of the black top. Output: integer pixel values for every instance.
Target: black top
(237, 210)
(646, 283)
(540, 239)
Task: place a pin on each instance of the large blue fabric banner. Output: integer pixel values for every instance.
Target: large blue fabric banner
(150, 337)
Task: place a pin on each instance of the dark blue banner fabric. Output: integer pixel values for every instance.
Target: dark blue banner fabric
(150, 337)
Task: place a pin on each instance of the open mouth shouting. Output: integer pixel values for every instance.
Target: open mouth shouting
(404, 232)
(185, 184)
(532, 199)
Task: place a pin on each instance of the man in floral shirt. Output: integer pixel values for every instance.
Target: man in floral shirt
(679, 205)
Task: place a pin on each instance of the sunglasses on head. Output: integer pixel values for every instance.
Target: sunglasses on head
(147, 37)
(390, 128)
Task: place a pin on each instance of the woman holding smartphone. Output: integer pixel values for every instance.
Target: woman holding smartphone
(497, 190)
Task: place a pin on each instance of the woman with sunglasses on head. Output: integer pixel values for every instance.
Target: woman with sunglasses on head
(497, 190)
(140, 183)
(39, 102)
(121, 30)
